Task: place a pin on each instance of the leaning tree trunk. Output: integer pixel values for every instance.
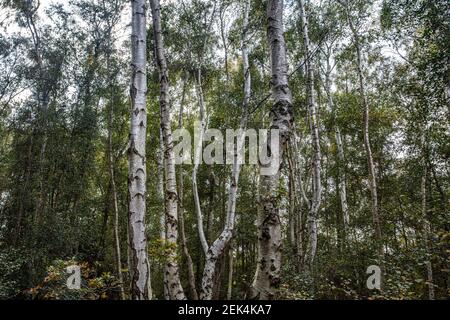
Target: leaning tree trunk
(314, 128)
(199, 131)
(367, 144)
(173, 282)
(137, 175)
(267, 276)
(217, 249)
(197, 156)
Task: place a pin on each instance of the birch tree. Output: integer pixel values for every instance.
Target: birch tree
(173, 282)
(342, 184)
(314, 128)
(201, 127)
(367, 145)
(184, 243)
(267, 276)
(115, 205)
(217, 249)
(137, 172)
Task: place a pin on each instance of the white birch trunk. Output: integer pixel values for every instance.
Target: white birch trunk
(218, 247)
(173, 282)
(197, 156)
(198, 148)
(190, 265)
(267, 276)
(136, 154)
(367, 144)
(314, 128)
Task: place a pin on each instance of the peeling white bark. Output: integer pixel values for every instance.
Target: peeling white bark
(136, 154)
(172, 277)
(218, 247)
(267, 276)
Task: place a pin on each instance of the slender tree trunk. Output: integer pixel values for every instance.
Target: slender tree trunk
(230, 272)
(190, 264)
(222, 12)
(129, 258)
(160, 185)
(43, 100)
(113, 188)
(197, 157)
(342, 181)
(447, 98)
(291, 193)
(427, 229)
(209, 232)
(299, 197)
(217, 249)
(370, 161)
(427, 226)
(160, 191)
(314, 128)
(114, 198)
(367, 145)
(267, 276)
(171, 196)
(137, 177)
(342, 178)
(16, 237)
(199, 132)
